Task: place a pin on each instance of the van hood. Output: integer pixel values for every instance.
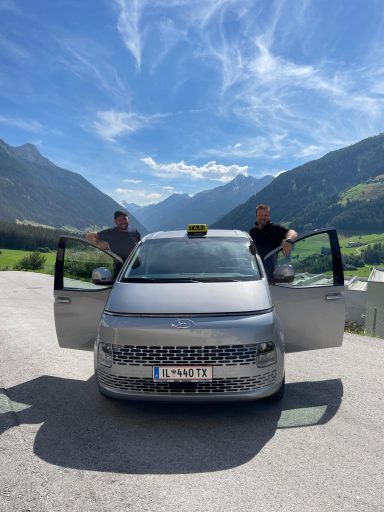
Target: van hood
(189, 298)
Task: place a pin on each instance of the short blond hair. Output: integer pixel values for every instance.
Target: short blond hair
(262, 207)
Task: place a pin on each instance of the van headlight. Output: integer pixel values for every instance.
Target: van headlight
(266, 354)
(105, 354)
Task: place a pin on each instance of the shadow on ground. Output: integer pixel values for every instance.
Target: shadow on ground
(83, 430)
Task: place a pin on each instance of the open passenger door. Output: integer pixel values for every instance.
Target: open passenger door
(312, 307)
(79, 299)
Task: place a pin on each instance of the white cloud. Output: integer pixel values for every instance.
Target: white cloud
(311, 150)
(141, 197)
(134, 33)
(210, 171)
(112, 124)
(274, 94)
(169, 35)
(128, 26)
(132, 181)
(89, 60)
(260, 80)
(270, 146)
(57, 131)
(29, 126)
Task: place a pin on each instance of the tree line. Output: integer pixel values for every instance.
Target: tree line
(372, 255)
(29, 238)
(322, 262)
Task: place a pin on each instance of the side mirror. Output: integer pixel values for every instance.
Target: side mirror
(102, 275)
(284, 273)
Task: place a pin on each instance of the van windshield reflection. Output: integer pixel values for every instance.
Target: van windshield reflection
(197, 260)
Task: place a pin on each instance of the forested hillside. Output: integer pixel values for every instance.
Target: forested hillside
(33, 189)
(28, 238)
(311, 196)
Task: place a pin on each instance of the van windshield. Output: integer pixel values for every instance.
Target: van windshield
(193, 259)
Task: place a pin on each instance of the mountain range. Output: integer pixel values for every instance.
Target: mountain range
(179, 210)
(34, 190)
(344, 188)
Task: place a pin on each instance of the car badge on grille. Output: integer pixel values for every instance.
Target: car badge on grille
(183, 324)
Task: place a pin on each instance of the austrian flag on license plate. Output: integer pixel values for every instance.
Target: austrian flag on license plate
(182, 373)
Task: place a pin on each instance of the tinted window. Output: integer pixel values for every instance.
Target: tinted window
(81, 259)
(312, 261)
(206, 259)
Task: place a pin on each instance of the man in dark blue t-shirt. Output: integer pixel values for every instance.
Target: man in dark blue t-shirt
(120, 239)
(267, 236)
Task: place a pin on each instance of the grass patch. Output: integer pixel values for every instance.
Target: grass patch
(365, 240)
(363, 192)
(359, 272)
(10, 257)
(353, 193)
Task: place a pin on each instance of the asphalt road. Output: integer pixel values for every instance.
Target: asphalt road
(63, 447)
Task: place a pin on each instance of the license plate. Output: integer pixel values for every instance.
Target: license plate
(182, 373)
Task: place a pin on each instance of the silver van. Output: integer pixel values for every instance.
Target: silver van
(191, 315)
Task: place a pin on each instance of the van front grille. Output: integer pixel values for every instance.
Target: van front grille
(220, 385)
(143, 355)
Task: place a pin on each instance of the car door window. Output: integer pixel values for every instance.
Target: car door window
(312, 259)
(311, 307)
(80, 260)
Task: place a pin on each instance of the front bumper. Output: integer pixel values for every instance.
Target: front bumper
(236, 375)
(183, 394)
(221, 343)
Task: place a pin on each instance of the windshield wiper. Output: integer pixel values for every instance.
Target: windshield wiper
(141, 279)
(144, 279)
(224, 279)
(213, 279)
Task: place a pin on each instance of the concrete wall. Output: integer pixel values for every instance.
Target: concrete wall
(374, 322)
(355, 306)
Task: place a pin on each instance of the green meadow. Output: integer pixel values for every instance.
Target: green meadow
(364, 240)
(9, 259)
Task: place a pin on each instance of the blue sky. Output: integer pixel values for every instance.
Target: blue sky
(149, 97)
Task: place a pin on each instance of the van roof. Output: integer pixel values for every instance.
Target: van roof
(212, 233)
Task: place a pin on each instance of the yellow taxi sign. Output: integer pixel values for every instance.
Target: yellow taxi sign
(197, 229)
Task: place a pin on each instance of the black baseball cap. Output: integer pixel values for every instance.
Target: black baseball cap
(120, 212)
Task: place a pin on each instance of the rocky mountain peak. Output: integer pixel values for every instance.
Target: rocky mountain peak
(30, 153)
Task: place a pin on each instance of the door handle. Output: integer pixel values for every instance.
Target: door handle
(63, 300)
(333, 296)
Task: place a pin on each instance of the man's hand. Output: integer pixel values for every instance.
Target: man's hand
(287, 246)
(94, 239)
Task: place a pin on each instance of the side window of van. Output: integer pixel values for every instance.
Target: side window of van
(311, 259)
(80, 260)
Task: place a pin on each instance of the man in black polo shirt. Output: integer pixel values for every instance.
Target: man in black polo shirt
(267, 236)
(120, 239)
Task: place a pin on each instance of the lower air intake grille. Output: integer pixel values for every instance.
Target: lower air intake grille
(226, 355)
(221, 385)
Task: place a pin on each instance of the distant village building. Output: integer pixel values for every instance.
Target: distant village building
(364, 302)
(355, 244)
(356, 300)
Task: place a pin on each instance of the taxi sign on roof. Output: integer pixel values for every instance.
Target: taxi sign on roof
(197, 229)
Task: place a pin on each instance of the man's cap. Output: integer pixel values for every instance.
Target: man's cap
(120, 212)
